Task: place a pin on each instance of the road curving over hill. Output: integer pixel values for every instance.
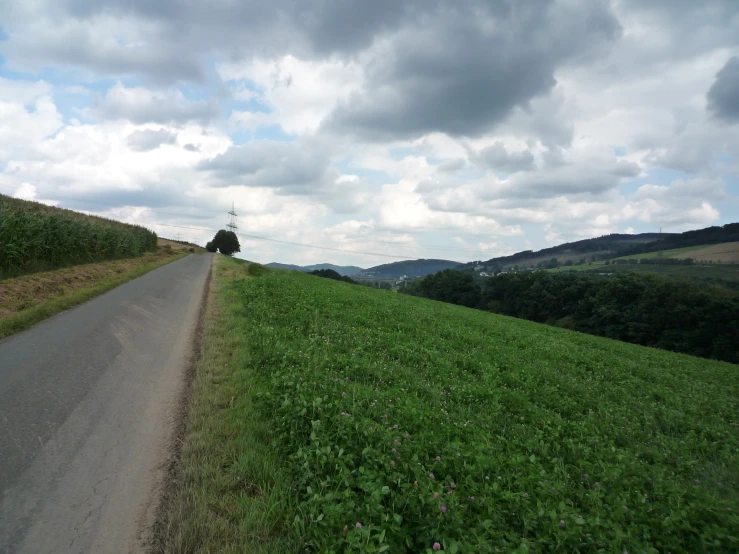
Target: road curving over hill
(89, 402)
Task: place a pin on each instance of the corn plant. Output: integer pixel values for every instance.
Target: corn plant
(34, 238)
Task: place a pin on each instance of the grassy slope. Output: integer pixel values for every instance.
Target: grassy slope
(71, 286)
(233, 497)
(556, 441)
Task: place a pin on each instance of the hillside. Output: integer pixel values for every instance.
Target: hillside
(409, 268)
(335, 418)
(340, 269)
(600, 247)
(712, 264)
(699, 237)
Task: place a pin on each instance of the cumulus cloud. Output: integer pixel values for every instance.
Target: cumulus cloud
(299, 93)
(150, 139)
(723, 96)
(141, 105)
(104, 45)
(27, 116)
(497, 158)
(419, 122)
(681, 206)
(464, 67)
(271, 164)
(288, 168)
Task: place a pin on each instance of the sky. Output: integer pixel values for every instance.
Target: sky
(361, 133)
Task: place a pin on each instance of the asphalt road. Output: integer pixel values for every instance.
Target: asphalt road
(88, 402)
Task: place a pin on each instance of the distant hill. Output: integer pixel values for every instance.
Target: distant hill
(699, 237)
(410, 268)
(600, 247)
(340, 269)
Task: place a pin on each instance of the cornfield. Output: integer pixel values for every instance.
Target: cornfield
(34, 237)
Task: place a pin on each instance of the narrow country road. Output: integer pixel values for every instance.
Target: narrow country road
(88, 406)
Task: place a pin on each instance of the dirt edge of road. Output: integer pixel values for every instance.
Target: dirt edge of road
(153, 527)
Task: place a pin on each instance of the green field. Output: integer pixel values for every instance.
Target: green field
(725, 274)
(664, 253)
(601, 263)
(329, 417)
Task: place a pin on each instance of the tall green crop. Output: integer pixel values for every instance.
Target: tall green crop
(34, 239)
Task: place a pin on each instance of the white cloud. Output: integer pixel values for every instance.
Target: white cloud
(300, 93)
(141, 105)
(27, 116)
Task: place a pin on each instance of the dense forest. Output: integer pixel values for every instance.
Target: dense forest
(650, 310)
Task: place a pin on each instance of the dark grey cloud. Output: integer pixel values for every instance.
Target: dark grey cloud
(624, 168)
(172, 37)
(465, 66)
(176, 35)
(317, 27)
(723, 96)
(687, 27)
(45, 44)
(192, 148)
(149, 139)
(592, 179)
(290, 167)
(452, 165)
(497, 158)
(140, 106)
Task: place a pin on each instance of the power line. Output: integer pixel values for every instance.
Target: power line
(291, 243)
(327, 248)
(233, 225)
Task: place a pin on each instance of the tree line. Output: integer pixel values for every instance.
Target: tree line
(646, 309)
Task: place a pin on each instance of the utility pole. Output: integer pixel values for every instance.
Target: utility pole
(232, 220)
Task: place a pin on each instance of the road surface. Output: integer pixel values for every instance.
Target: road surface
(88, 403)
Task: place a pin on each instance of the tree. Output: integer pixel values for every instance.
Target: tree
(225, 241)
(210, 247)
(331, 274)
(451, 286)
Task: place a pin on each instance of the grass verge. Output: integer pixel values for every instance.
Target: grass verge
(232, 495)
(29, 299)
(334, 418)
